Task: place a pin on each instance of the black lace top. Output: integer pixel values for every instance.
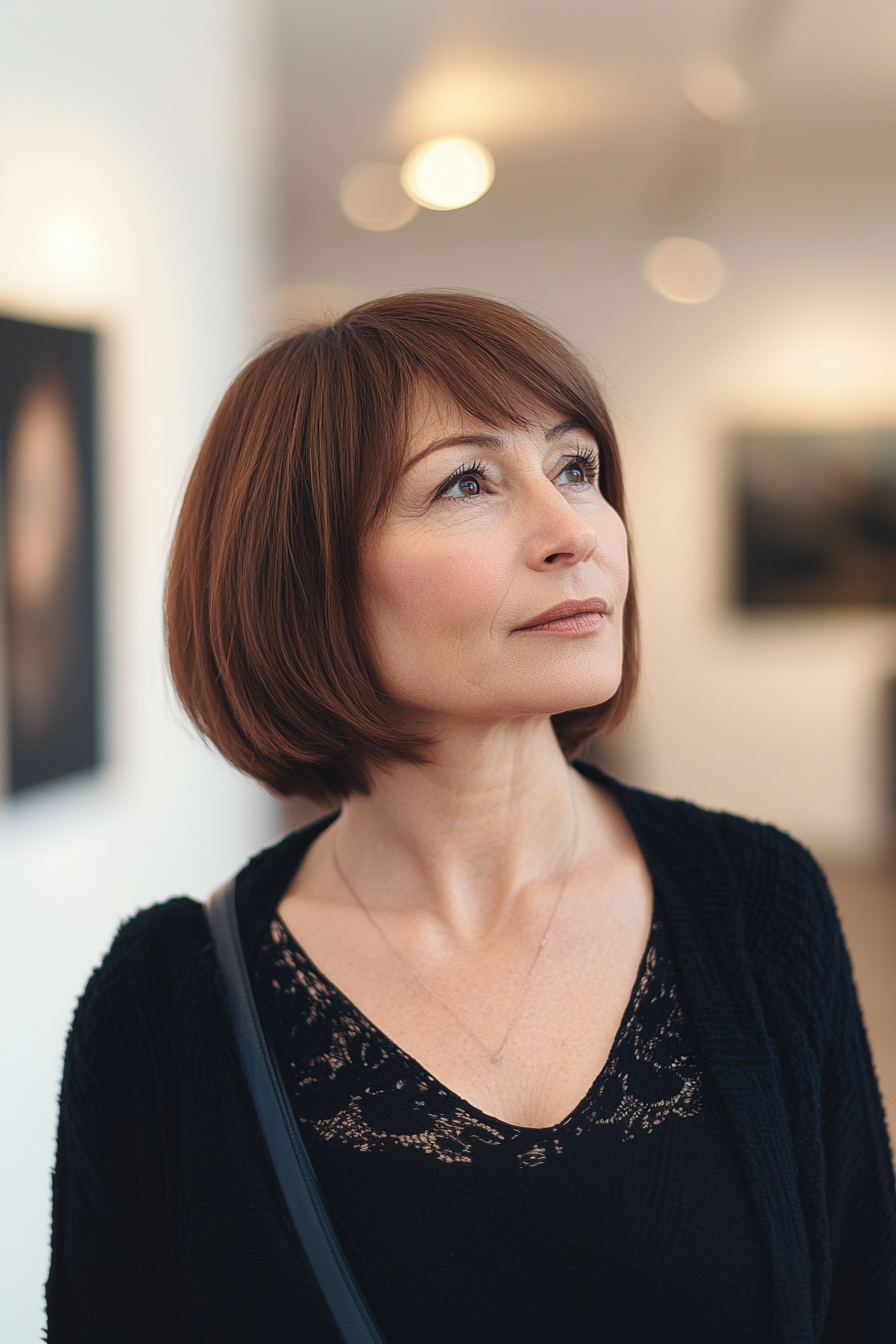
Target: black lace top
(627, 1221)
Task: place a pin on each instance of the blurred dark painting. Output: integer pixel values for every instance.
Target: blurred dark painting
(817, 519)
(47, 442)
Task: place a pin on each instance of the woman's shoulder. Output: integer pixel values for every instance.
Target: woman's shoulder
(764, 850)
(151, 942)
(771, 882)
(660, 818)
(163, 956)
(158, 979)
(765, 861)
(782, 894)
(158, 970)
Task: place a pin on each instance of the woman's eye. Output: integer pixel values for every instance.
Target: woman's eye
(465, 486)
(577, 472)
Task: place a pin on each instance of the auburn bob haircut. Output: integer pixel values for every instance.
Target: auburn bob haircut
(265, 625)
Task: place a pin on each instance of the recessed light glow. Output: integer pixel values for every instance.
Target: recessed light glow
(684, 270)
(712, 85)
(503, 100)
(371, 196)
(447, 173)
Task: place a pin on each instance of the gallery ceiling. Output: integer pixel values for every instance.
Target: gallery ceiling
(582, 103)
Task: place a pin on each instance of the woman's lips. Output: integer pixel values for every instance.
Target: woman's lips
(567, 618)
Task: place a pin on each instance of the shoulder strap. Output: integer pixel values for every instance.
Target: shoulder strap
(292, 1164)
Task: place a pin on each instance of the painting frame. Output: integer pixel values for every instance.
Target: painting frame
(814, 519)
(48, 527)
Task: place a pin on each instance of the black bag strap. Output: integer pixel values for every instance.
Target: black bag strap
(288, 1153)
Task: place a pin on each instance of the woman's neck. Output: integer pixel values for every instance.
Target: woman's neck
(492, 814)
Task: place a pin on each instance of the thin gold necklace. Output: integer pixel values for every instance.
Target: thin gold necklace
(496, 1056)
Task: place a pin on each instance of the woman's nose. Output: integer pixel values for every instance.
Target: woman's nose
(563, 537)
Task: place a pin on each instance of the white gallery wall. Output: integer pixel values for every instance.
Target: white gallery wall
(132, 189)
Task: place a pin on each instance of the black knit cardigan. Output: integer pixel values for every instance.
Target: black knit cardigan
(168, 1224)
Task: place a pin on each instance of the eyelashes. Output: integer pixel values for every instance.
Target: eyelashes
(585, 460)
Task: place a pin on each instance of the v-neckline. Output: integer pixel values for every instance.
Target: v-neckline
(415, 1066)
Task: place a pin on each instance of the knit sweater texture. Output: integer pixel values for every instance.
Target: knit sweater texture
(168, 1223)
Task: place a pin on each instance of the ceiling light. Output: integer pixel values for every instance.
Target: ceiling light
(505, 101)
(712, 85)
(684, 270)
(448, 172)
(372, 197)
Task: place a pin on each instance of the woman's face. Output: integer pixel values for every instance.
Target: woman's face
(496, 583)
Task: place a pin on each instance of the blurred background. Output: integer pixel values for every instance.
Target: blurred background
(700, 194)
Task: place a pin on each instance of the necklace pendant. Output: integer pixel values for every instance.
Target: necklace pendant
(498, 1058)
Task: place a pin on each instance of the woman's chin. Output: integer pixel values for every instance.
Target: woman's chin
(564, 695)
(544, 703)
(524, 694)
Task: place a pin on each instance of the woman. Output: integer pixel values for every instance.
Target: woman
(572, 1061)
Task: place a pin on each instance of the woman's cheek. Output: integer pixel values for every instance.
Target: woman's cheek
(613, 554)
(452, 588)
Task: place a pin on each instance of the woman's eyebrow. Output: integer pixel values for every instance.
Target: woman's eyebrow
(563, 428)
(493, 441)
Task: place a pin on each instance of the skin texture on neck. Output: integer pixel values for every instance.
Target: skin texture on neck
(466, 834)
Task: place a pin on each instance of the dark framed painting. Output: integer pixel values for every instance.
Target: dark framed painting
(48, 474)
(816, 518)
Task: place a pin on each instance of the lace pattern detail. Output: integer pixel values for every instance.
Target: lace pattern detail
(351, 1085)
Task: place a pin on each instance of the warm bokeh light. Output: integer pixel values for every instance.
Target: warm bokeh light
(505, 100)
(684, 270)
(371, 196)
(447, 173)
(73, 234)
(713, 86)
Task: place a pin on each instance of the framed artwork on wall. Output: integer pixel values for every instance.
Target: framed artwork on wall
(48, 474)
(816, 518)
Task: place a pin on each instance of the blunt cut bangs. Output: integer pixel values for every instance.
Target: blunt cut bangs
(266, 632)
